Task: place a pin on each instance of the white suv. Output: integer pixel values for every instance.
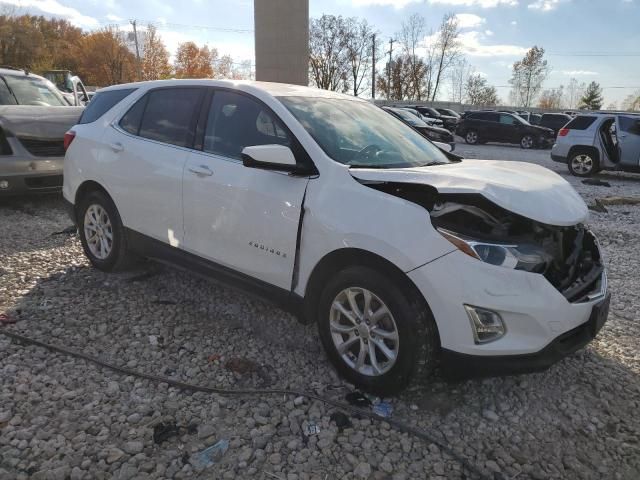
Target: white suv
(324, 203)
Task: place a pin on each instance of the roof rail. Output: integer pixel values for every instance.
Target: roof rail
(9, 67)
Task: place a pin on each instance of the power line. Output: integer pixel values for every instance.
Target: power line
(607, 87)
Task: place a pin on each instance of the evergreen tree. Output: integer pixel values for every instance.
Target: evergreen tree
(592, 98)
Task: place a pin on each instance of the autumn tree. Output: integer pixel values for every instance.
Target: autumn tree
(447, 49)
(632, 101)
(528, 76)
(552, 98)
(223, 67)
(573, 93)
(592, 98)
(328, 54)
(459, 75)
(479, 92)
(359, 53)
(155, 57)
(410, 38)
(105, 58)
(193, 61)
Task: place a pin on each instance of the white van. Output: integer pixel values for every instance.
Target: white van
(402, 254)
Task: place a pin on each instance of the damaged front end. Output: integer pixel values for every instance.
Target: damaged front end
(568, 257)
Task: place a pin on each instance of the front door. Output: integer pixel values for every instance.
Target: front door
(628, 133)
(239, 217)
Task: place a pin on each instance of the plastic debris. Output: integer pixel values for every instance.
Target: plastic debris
(357, 399)
(6, 319)
(383, 409)
(311, 429)
(210, 455)
(341, 420)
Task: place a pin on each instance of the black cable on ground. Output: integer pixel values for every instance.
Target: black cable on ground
(402, 427)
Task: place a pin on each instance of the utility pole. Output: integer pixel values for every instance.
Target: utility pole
(135, 38)
(373, 66)
(391, 40)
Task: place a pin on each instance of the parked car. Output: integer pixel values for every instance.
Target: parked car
(435, 134)
(448, 112)
(449, 122)
(71, 87)
(592, 142)
(33, 120)
(534, 119)
(554, 121)
(483, 127)
(328, 205)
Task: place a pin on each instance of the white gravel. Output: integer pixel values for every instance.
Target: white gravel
(64, 418)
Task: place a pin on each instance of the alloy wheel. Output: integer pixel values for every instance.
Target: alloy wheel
(98, 231)
(582, 164)
(364, 331)
(526, 142)
(472, 137)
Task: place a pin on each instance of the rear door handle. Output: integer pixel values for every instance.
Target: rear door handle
(201, 171)
(116, 146)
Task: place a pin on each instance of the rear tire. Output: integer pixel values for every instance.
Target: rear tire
(527, 142)
(583, 164)
(396, 345)
(471, 137)
(102, 234)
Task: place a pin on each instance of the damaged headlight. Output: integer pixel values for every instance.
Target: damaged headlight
(530, 258)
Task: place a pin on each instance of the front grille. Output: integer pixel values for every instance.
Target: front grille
(49, 181)
(43, 148)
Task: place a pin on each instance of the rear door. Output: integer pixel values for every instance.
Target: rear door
(242, 218)
(509, 129)
(147, 150)
(628, 133)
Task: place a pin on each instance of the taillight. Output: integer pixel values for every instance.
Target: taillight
(68, 138)
(563, 132)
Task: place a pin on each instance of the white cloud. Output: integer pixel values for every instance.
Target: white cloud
(114, 18)
(53, 7)
(469, 20)
(578, 72)
(488, 33)
(392, 3)
(476, 3)
(514, 23)
(544, 5)
(472, 46)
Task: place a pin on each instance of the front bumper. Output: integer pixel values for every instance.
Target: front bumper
(535, 313)
(28, 174)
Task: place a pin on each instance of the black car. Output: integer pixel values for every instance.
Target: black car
(435, 134)
(483, 127)
(554, 121)
(448, 112)
(449, 122)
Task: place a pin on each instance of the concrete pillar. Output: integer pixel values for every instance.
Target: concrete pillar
(282, 40)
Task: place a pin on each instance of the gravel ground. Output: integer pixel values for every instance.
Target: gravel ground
(62, 417)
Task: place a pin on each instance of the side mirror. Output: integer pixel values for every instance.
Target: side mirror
(269, 157)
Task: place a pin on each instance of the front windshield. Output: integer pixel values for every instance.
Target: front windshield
(29, 91)
(359, 134)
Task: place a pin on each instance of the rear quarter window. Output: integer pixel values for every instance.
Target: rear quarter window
(102, 102)
(581, 122)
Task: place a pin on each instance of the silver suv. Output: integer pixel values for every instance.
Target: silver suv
(597, 141)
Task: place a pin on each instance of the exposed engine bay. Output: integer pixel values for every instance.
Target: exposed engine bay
(568, 257)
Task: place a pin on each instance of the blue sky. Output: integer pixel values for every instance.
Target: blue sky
(495, 34)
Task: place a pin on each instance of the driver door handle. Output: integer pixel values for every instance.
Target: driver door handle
(201, 171)
(116, 147)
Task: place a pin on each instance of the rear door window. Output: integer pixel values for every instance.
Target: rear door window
(581, 122)
(170, 115)
(103, 102)
(236, 121)
(629, 124)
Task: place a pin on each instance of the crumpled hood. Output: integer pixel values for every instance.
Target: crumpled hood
(527, 189)
(38, 122)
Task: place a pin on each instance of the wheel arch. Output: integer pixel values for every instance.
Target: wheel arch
(84, 189)
(584, 148)
(340, 259)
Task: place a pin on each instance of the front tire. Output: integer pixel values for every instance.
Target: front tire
(377, 335)
(527, 142)
(583, 164)
(471, 137)
(102, 234)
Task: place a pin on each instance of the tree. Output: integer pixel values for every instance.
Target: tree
(105, 58)
(478, 92)
(459, 75)
(328, 54)
(574, 92)
(359, 51)
(194, 62)
(552, 98)
(528, 76)
(223, 67)
(155, 59)
(411, 35)
(447, 49)
(632, 101)
(592, 98)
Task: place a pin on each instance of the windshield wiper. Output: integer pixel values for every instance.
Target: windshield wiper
(10, 90)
